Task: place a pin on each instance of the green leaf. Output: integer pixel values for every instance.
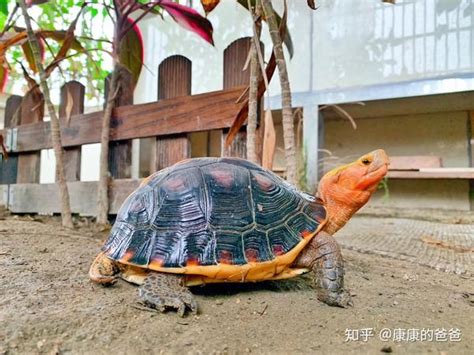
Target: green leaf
(131, 51)
(3, 78)
(94, 12)
(3, 19)
(28, 53)
(4, 7)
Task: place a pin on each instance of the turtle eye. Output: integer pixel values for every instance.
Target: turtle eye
(366, 161)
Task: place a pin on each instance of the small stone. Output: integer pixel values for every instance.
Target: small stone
(395, 303)
(386, 349)
(219, 302)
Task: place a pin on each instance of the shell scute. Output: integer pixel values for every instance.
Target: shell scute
(207, 212)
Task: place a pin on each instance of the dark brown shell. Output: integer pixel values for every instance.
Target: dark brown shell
(210, 211)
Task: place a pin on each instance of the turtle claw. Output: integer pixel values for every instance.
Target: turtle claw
(163, 292)
(341, 299)
(179, 303)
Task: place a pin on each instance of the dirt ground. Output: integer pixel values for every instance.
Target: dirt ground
(48, 305)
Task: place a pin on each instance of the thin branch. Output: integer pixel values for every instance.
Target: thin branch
(55, 128)
(10, 21)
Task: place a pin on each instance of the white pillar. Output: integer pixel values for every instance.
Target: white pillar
(313, 135)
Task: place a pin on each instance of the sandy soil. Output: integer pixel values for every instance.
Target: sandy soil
(48, 305)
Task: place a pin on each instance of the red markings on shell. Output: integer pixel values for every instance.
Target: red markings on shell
(157, 262)
(127, 256)
(317, 211)
(251, 255)
(306, 234)
(174, 184)
(223, 177)
(192, 262)
(262, 181)
(225, 257)
(278, 250)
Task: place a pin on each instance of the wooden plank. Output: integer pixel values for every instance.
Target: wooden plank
(170, 150)
(44, 198)
(213, 110)
(441, 173)
(72, 103)
(174, 80)
(32, 110)
(120, 152)
(235, 57)
(9, 168)
(415, 162)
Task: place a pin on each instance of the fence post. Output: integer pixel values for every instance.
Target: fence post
(120, 152)
(9, 168)
(174, 79)
(72, 100)
(235, 57)
(32, 111)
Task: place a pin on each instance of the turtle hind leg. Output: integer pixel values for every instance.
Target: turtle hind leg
(324, 257)
(166, 291)
(103, 270)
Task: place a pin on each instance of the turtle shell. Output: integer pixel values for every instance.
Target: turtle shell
(203, 214)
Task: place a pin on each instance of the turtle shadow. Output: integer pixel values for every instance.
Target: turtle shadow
(301, 283)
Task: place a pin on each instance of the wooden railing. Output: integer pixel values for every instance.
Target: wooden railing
(20, 189)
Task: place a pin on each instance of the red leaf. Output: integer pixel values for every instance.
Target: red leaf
(131, 51)
(189, 19)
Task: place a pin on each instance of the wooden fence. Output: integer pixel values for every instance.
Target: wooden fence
(20, 186)
(170, 119)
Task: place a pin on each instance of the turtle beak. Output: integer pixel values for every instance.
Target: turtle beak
(380, 162)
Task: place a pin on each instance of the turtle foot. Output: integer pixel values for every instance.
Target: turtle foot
(164, 292)
(337, 299)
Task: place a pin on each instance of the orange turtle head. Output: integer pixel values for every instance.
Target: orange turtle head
(347, 188)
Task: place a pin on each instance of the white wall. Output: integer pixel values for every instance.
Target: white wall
(343, 44)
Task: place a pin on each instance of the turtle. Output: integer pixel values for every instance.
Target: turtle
(208, 220)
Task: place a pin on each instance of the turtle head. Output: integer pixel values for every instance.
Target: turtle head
(347, 188)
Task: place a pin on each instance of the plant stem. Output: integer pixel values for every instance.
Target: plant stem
(288, 125)
(55, 127)
(253, 85)
(103, 189)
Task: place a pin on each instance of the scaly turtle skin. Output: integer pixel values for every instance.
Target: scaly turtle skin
(228, 220)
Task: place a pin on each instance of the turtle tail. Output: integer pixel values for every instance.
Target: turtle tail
(103, 270)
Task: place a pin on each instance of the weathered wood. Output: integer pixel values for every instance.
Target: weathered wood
(213, 110)
(9, 168)
(170, 150)
(32, 110)
(120, 152)
(174, 80)
(44, 198)
(415, 162)
(235, 58)
(433, 173)
(71, 103)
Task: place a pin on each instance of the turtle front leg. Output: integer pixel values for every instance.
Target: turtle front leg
(103, 270)
(164, 291)
(323, 256)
